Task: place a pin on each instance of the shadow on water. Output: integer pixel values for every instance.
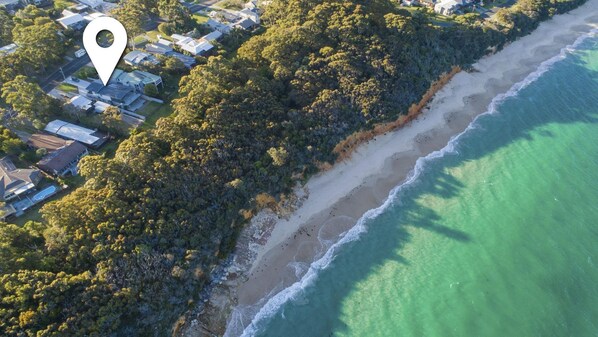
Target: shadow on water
(573, 85)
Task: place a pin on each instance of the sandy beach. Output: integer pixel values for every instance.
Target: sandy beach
(274, 253)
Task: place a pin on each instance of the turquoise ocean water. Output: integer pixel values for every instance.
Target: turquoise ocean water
(497, 235)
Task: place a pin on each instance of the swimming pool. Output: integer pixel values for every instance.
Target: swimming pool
(45, 193)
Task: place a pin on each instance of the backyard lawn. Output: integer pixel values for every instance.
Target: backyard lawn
(152, 112)
(200, 18)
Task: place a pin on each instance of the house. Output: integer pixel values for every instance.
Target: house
(115, 94)
(10, 5)
(250, 14)
(219, 26)
(245, 24)
(138, 57)
(447, 7)
(42, 3)
(92, 3)
(213, 36)
(47, 142)
(70, 131)
(187, 60)
(8, 49)
(78, 8)
(16, 182)
(81, 103)
(92, 16)
(74, 21)
(137, 79)
(161, 47)
(100, 107)
(251, 5)
(194, 47)
(64, 160)
(164, 47)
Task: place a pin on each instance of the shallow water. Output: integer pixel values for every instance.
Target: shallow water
(496, 237)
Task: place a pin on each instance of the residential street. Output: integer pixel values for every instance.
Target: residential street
(68, 69)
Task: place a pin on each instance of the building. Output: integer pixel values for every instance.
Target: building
(161, 47)
(251, 5)
(95, 4)
(245, 24)
(213, 36)
(8, 49)
(64, 160)
(92, 16)
(447, 7)
(47, 142)
(10, 4)
(194, 47)
(100, 107)
(250, 14)
(137, 79)
(81, 103)
(115, 94)
(74, 21)
(219, 26)
(164, 47)
(78, 8)
(70, 131)
(16, 182)
(138, 57)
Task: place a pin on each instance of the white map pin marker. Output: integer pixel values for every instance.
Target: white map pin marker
(105, 59)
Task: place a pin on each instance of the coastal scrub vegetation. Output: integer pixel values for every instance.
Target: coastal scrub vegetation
(131, 250)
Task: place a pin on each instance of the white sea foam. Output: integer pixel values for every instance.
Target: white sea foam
(274, 304)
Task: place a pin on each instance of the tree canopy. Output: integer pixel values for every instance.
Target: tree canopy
(130, 250)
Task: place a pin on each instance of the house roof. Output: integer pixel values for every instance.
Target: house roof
(449, 4)
(48, 142)
(186, 59)
(8, 2)
(245, 23)
(81, 102)
(193, 46)
(158, 48)
(113, 90)
(100, 106)
(62, 158)
(136, 57)
(92, 16)
(213, 36)
(137, 77)
(75, 132)
(70, 18)
(14, 180)
(8, 49)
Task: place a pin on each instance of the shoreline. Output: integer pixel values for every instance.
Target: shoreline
(275, 253)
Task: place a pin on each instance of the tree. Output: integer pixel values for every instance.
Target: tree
(27, 99)
(133, 16)
(10, 144)
(112, 119)
(6, 26)
(279, 155)
(37, 37)
(174, 12)
(173, 65)
(151, 90)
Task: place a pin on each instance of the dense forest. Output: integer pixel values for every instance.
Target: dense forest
(125, 254)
